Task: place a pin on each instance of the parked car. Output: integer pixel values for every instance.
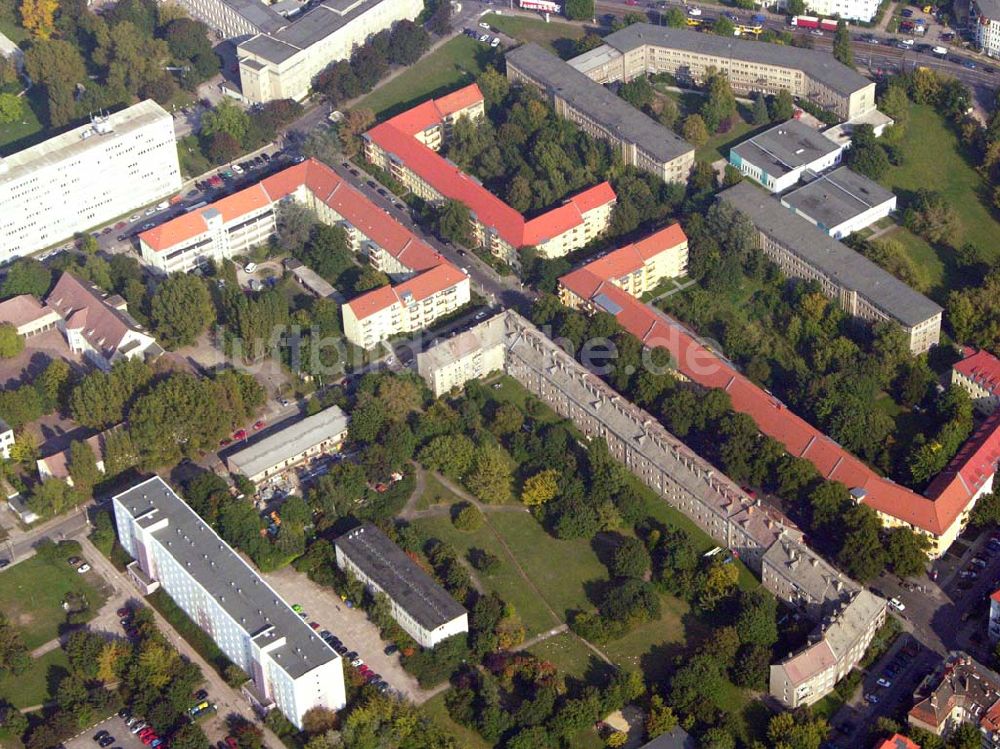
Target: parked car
(883, 682)
(357, 662)
(897, 604)
(871, 698)
(495, 42)
(390, 649)
(240, 434)
(259, 424)
(100, 735)
(83, 568)
(106, 741)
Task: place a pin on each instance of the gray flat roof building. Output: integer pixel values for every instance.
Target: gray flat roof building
(837, 198)
(843, 266)
(785, 148)
(820, 66)
(286, 446)
(560, 79)
(313, 26)
(380, 562)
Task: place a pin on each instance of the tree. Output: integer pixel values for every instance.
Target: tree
(540, 488)
(637, 92)
(26, 276)
(14, 655)
(694, 130)
(453, 222)
(189, 736)
(870, 161)
(491, 474)
(717, 582)
(782, 106)
(370, 278)
(494, 85)
(579, 10)
(756, 622)
(11, 108)
(862, 555)
(468, 518)
(906, 551)
(83, 466)
(629, 559)
(720, 104)
(11, 343)
(795, 7)
(724, 27)
(760, 114)
(223, 148)
(38, 17)
(842, 44)
(660, 719)
(57, 66)
(751, 668)
(53, 497)
(181, 310)
(228, 118)
(409, 43)
(932, 217)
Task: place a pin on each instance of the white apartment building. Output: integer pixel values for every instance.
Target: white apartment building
(778, 158)
(86, 177)
(290, 667)
(978, 373)
(419, 605)
(841, 202)
(985, 15)
(282, 64)
(994, 625)
(849, 10)
(6, 439)
(323, 432)
(408, 307)
(468, 356)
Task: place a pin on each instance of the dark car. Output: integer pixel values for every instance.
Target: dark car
(100, 735)
(390, 649)
(201, 695)
(106, 741)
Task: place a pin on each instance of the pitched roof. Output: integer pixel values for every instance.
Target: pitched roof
(982, 368)
(946, 498)
(395, 137)
(57, 464)
(634, 256)
(22, 309)
(898, 741)
(415, 289)
(84, 308)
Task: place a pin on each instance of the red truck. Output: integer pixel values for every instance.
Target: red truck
(812, 22)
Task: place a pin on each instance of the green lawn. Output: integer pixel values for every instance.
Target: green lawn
(33, 686)
(651, 647)
(719, 144)
(567, 653)
(436, 493)
(32, 592)
(950, 174)
(505, 582)
(468, 739)
(18, 135)
(558, 38)
(929, 266)
(455, 63)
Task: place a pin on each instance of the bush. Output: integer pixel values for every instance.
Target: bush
(467, 517)
(431, 666)
(483, 560)
(234, 676)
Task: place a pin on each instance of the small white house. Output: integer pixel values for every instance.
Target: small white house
(779, 157)
(841, 202)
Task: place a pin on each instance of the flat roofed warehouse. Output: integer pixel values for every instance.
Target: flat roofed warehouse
(288, 445)
(841, 201)
(370, 554)
(779, 156)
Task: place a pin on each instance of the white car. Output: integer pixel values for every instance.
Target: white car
(884, 682)
(897, 604)
(495, 42)
(83, 568)
(484, 37)
(694, 11)
(150, 211)
(484, 25)
(816, 32)
(357, 663)
(250, 268)
(237, 169)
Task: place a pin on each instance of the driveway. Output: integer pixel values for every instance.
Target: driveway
(350, 625)
(114, 726)
(38, 351)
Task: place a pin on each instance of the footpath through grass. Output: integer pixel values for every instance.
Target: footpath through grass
(933, 159)
(457, 62)
(35, 686)
(32, 592)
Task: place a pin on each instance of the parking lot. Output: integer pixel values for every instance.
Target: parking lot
(324, 607)
(114, 726)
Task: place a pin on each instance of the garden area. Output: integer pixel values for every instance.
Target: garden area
(36, 685)
(559, 38)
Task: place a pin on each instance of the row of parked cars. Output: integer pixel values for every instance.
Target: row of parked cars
(899, 663)
(364, 669)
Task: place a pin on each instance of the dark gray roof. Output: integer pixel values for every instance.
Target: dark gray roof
(598, 103)
(841, 264)
(676, 739)
(308, 29)
(785, 147)
(837, 197)
(989, 8)
(399, 577)
(250, 601)
(259, 14)
(820, 66)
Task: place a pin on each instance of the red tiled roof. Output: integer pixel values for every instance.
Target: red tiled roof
(995, 595)
(459, 100)
(419, 287)
(898, 741)
(241, 203)
(947, 497)
(395, 136)
(633, 256)
(176, 230)
(21, 309)
(982, 368)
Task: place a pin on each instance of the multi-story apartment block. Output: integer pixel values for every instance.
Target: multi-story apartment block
(978, 373)
(289, 446)
(419, 605)
(406, 307)
(27, 315)
(849, 10)
(898, 741)
(236, 19)
(762, 537)
(994, 622)
(778, 158)
(290, 667)
(862, 288)
(406, 146)
(86, 177)
(429, 286)
(940, 514)
(282, 64)
(848, 617)
(959, 691)
(750, 66)
(57, 465)
(635, 268)
(986, 17)
(841, 202)
(470, 355)
(6, 439)
(96, 325)
(638, 139)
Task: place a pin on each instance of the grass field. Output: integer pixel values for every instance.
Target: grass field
(466, 738)
(950, 174)
(436, 493)
(558, 38)
(16, 136)
(33, 687)
(651, 647)
(568, 653)
(32, 592)
(455, 63)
